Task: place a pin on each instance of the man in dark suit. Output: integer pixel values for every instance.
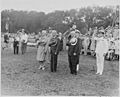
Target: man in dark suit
(74, 47)
(16, 44)
(55, 48)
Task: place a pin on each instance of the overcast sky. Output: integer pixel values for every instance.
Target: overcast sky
(51, 5)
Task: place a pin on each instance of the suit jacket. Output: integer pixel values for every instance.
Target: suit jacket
(74, 48)
(61, 44)
(16, 43)
(55, 48)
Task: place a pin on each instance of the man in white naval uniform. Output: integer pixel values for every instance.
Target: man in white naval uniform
(101, 50)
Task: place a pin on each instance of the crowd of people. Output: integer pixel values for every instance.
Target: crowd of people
(100, 42)
(112, 36)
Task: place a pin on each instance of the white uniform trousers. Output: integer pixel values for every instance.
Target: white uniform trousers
(100, 63)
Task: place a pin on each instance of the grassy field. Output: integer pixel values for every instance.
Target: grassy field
(20, 76)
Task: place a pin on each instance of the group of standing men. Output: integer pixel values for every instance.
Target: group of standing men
(18, 40)
(74, 43)
(52, 42)
(49, 44)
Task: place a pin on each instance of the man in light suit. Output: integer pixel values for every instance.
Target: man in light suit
(24, 39)
(101, 50)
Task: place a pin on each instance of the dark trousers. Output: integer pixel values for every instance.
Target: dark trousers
(23, 47)
(73, 61)
(16, 49)
(53, 62)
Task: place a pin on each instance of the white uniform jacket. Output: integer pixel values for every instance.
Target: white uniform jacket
(102, 45)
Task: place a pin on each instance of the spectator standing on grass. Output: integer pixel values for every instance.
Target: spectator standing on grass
(86, 43)
(116, 31)
(101, 50)
(16, 43)
(24, 39)
(108, 30)
(41, 51)
(90, 32)
(6, 40)
(11, 40)
(111, 51)
(93, 42)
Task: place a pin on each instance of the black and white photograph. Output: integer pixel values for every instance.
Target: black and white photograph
(60, 48)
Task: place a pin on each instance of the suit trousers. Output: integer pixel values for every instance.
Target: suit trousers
(53, 62)
(100, 63)
(16, 49)
(23, 47)
(73, 61)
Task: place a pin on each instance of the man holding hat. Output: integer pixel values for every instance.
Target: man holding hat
(73, 51)
(101, 50)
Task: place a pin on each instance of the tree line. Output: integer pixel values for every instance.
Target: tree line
(34, 21)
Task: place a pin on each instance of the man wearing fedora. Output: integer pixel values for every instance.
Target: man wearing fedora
(74, 47)
(54, 50)
(101, 50)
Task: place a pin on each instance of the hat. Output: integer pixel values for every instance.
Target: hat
(77, 31)
(73, 41)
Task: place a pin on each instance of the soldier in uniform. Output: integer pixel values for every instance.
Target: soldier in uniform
(101, 50)
(54, 50)
(74, 47)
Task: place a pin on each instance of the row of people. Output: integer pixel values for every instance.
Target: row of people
(74, 43)
(16, 41)
(49, 45)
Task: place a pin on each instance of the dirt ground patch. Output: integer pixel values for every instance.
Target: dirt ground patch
(20, 76)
